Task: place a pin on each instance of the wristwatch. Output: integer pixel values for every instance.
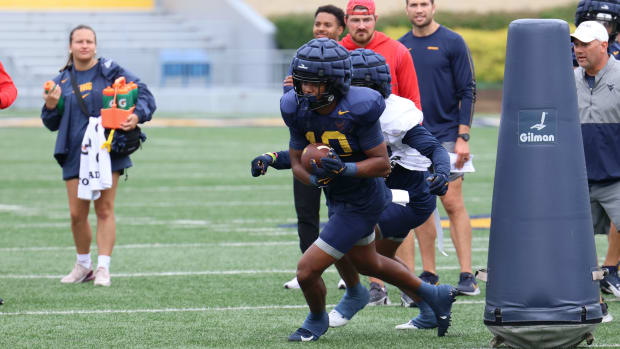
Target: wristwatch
(464, 136)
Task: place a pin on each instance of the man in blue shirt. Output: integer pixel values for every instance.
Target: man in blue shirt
(448, 90)
(323, 107)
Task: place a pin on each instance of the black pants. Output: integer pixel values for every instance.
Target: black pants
(307, 206)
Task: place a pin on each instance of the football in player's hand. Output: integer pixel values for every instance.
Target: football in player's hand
(314, 151)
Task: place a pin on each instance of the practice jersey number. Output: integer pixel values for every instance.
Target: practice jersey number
(335, 136)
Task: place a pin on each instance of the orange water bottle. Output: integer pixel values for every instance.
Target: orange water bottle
(119, 82)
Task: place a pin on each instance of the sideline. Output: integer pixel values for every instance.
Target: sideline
(480, 121)
(166, 122)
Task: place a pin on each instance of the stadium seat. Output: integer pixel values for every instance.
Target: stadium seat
(185, 65)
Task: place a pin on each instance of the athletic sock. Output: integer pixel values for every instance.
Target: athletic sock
(427, 318)
(103, 261)
(317, 323)
(355, 299)
(427, 292)
(84, 260)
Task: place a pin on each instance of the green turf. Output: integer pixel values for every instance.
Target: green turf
(191, 208)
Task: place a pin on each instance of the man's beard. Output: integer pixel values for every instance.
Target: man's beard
(424, 24)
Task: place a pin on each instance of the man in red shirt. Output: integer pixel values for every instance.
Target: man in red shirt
(8, 92)
(361, 20)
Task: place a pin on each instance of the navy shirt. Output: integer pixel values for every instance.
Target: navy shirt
(71, 125)
(446, 78)
(350, 129)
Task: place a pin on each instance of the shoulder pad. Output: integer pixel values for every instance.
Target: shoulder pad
(365, 104)
(400, 116)
(288, 107)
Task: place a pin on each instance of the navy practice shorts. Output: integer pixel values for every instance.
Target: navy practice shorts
(397, 220)
(349, 226)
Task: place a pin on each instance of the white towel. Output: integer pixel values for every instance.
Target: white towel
(95, 166)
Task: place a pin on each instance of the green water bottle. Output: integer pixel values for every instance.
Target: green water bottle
(108, 97)
(124, 99)
(134, 91)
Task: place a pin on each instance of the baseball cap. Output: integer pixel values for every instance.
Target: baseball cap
(369, 4)
(590, 30)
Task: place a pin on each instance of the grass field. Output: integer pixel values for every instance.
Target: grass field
(201, 254)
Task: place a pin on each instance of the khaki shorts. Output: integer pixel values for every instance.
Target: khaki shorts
(605, 205)
(453, 175)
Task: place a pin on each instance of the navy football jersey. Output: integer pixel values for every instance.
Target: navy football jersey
(350, 129)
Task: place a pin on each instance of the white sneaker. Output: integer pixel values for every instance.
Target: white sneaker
(606, 315)
(102, 277)
(342, 285)
(407, 326)
(293, 284)
(77, 275)
(336, 319)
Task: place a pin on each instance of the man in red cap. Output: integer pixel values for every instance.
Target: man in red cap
(361, 20)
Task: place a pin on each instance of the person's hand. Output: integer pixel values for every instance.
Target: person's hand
(260, 165)
(319, 176)
(438, 184)
(130, 123)
(333, 164)
(461, 148)
(288, 81)
(52, 97)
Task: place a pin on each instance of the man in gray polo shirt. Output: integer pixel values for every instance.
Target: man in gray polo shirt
(598, 92)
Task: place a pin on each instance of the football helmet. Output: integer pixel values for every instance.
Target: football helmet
(371, 70)
(605, 12)
(321, 61)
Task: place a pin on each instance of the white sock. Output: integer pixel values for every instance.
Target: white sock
(103, 261)
(84, 260)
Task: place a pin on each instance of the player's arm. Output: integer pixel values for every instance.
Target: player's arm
(298, 170)
(421, 139)
(278, 160)
(376, 165)
(463, 73)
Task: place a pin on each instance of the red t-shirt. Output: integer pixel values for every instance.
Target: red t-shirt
(8, 92)
(404, 77)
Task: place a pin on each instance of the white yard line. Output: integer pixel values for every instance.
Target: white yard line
(155, 245)
(176, 310)
(190, 273)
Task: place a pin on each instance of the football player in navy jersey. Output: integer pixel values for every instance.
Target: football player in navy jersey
(323, 107)
(413, 150)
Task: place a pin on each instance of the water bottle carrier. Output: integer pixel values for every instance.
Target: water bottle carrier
(113, 117)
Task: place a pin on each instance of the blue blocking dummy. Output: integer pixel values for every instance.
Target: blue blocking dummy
(541, 287)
